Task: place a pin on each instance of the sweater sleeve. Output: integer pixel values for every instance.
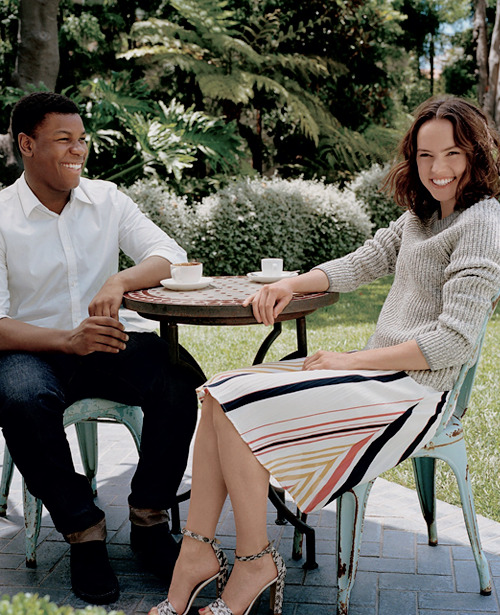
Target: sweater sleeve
(374, 259)
(472, 279)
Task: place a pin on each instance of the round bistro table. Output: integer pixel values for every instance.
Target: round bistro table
(220, 304)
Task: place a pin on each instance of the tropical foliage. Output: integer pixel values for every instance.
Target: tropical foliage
(319, 89)
(143, 136)
(241, 74)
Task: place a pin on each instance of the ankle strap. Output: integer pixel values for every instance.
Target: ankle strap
(249, 558)
(198, 537)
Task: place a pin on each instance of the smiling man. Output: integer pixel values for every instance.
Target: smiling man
(61, 340)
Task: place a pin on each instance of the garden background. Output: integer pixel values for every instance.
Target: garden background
(262, 128)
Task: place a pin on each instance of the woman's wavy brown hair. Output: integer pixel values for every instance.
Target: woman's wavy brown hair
(472, 133)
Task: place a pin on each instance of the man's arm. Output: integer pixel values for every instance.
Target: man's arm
(93, 334)
(144, 275)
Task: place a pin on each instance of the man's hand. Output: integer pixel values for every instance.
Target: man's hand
(108, 300)
(96, 334)
(269, 301)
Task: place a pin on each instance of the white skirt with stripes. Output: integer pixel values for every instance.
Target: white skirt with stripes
(320, 433)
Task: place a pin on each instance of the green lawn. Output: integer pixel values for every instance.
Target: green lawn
(347, 325)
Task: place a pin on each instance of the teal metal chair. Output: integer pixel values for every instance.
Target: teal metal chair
(84, 414)
(448, 444)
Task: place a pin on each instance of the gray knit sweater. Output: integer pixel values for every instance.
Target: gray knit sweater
(446, 273)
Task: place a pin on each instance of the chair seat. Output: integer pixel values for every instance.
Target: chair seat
(453, 432)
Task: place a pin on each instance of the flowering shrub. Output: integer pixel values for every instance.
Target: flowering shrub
(305, 222)
(32, 604)
(380, 207)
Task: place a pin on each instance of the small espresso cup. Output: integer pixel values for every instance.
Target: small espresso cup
(187, 272)
(271, 266)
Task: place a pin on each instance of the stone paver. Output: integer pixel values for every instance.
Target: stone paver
(399, 574)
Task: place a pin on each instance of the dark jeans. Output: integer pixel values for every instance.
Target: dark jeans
(36, 388)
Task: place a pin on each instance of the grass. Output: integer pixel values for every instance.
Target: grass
(346, 326)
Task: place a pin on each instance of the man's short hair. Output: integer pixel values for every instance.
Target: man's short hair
(30, 111)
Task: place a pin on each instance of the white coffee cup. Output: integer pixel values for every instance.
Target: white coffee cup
(187, 272)
(271, 267)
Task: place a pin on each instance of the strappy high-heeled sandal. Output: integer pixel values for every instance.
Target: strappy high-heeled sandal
(165, 608)
(277, 585)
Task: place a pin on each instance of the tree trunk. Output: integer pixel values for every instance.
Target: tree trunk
(432, 54)
(11, 165)
(490, 100)
(38, 55)
(481, 49)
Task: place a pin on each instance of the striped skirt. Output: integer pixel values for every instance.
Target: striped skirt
(320, 433)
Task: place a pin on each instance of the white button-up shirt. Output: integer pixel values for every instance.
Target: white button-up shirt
(52, 265)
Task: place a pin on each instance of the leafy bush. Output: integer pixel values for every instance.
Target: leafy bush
(380, 207)
(31, 604)
(305, 222)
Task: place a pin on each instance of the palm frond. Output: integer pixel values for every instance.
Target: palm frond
(217, 140)
(296, 64)
(236, 87)
(209, 15)
(154, 31)
(299, 112)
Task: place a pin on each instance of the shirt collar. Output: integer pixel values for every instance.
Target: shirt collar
(29, 201)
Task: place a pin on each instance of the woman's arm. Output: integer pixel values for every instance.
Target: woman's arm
(402, 357)
(271, 299)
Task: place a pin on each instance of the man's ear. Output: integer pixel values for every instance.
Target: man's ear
(25, 144)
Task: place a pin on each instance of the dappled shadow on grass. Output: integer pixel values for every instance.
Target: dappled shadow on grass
(359, 307)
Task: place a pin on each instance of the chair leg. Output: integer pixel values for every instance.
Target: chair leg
(7, 472)
(300, 528)
(456, 457)
(424, 470)
(32, 521)
(86, 432)
(351, 508)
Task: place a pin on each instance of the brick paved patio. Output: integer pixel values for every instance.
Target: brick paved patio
(399, 574)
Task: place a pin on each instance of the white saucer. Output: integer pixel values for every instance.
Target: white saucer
(258, 276)
(176, 285)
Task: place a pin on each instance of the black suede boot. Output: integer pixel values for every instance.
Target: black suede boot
(92, 578)
(156, 548)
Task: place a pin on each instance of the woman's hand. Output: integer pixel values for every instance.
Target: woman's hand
(324, 359)
(401, 357)
(269, 301)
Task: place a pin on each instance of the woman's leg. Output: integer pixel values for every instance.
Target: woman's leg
(247, 482)
(197, 560)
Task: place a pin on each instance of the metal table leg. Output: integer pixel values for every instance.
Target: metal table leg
(267, 343)
(169, 331)
(277, 498)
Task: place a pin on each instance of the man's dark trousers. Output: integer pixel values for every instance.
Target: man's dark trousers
(36, 388)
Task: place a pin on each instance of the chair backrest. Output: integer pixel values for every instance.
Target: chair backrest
(458, 399)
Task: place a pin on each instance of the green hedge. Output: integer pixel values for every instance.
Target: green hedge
(305, 222)
(33, 604)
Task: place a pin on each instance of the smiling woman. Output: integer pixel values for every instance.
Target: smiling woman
(441, 163)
